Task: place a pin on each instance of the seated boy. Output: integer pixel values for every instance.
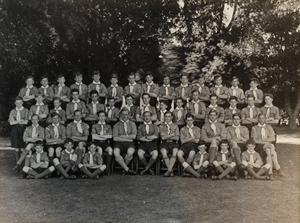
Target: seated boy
(37, 164)
(200, 162)
(92, 165)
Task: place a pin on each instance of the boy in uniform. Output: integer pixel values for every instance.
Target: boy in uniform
(145, 106)
(62, 91)
(28, 93)
(219, 90)
(200, 162)
(93, 108)
(58, 110)
(229, 112)
(133, 89)
(257, 93)
(235, 91)
(75, 104)
(46, 91)
(214, 106)
(197, 109)
(112, 112)
(179, 113)
(151, 88)
(98, 86)
(270, 111)
(115, 91)
(183, 90)
(203, 90)
(40, 109)
(81, 87)
(250, 113)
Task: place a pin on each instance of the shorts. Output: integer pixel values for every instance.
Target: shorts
(123, 146)
(55, 146)
(169, 145)
(39, 169)
(148, 147)
(188, 147)
(103, 144)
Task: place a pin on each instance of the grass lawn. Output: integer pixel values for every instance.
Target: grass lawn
(151, 198)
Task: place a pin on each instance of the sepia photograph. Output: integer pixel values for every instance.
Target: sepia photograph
(149, 111)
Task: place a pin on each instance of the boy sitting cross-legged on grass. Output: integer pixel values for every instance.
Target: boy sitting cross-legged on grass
(253, 164)
(92, 165)
(224, 162)
(200, 162)
(66, 166)
(37, 164)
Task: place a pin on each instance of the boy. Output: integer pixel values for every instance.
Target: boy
(264, 135)
(18, 119)
(224, 163)
(145, 106)
(55, 135)
(81, 87)
(270, 111)
(129, 104)
(98, 86)
(250, 113)
(58, 110)
(203, 90)
(147, 137)
(124, 134)
(133, 88)
(197, 109)
(169, 133)
(40, 109)
(235, 91)
(46, 91)
(112, 112)
(66, 165)
(37, 165)
(189, 137)
(162, 109)
(200, 162)
(62, 91)
(32, 134)
(166, 91)
(183, 90)
(179, 113)
(253, 163)
(102, 136)
(214, 106)
(75, 104)
(115, 91)
(150, 87)
(219, 90)
(257, 93)
(93, 108)
(92, 165)
(213, 132)
(231, 110)
(28, 93)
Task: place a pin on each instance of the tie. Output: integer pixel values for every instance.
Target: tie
(166, 90)
(125, 128)
(234, 91)
(131, 87)
(57, 110)
(223, 156)
(80, 89)
(109, 114)
(94, 108)
(98, 88)
(268, 112)
(34, 132)
(263, 132)
(45, 90)
(147, 128)
(191, 132)
(27, 93)
(237, 132)
(214, 128)
(218, 90)
(169, 129)
(38, 108)
(200, 89)
(102, 129)
(201, 159)
(38, 157)
(254, 93)
(196, 106)
(18, 117)
(183, 92)
(251, 158)
(251, 112)
(91, 159)
(75, 105)
(59, 90)
(162, 116)
(56, 134)
(79, 128)
(114, 91)
(179, 114)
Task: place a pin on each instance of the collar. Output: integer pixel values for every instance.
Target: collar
(55, 125)
(148, 105)
(236, 126)
(102, 123)
(20, 109)
(250, 152)
(200, 85)
(202, 153)
(69, 152)
(78, 83)
(35, 126)
(253, 89)
(168, 123)
(73, 101)
(45, 86)
(190, 127)
(218, 86)
(95, 102)
(168, 85)
(111, 108)
(215, 122)
(61, 85)
(132, 84)
(58, 109)
(213, 106)
(163, 111)
(39, 152)
(124, 121)
(262, 126)
(149, 84)
(39, 104)
(231, 108)
(232, 87)
(184, 85)
(268, 106)
(114, 86)
(29, 87)
(148, 123)
(91, 153)
(94, 82)
(253, 106)
(224, 152)
(193, 101)
(179, 108)
(77, 122)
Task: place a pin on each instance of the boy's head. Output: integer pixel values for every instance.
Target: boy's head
(250, 100)
(201, 79)
(184, 79)
(163, 105)
(92, 147)
(114, 79)
(29, 81)
(39, 146)
(250, 144)
(235, 82)
(77, 115)
(166, 80)
(218, 80)
(35, 119)
(201, 146)
(56, 102)
(147, 116)
(124, 114)
(75, 94)
(68, 144)
(131, 78)
(195, 95)
(44, 81)
(149, 77)
(179, 102)
(213, 99)
(168, 116)
(19, 102)
(94, 95)
(78, 77)
(101, 116)
(189, 119)
(96, 75)
(261, 119)
(268, 99)
(61, 79)
(129, 99)
(213, 115)
(233, 101)
(254, 83)
(55, 118)
(236, 119)
(39, 98)
(224, 146)
(111, 102)
(146, 98)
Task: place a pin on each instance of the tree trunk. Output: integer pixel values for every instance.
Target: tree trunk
(293, 111)
(292, 121)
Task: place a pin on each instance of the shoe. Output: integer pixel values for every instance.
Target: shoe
(172, 174)
(142, 172)
(167, 174)
(151, 172)
(16, 168)
(131, 172)
(280, 173)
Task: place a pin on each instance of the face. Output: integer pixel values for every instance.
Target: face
(147, 117)
(184, 80)
(29, 81)
(236, 120)
(163, 106)
(55, 119)
(75, 95)
(56, 103)
(102, 117)
(250, 101)
(233, 103)
(39, 99)
(213, 116)
(195, 95)
(213, 100)
(268, 100)
(251, 147)
(189, 121)
(61, 80)
(129, 100)
(137, 77)
(96, 77)
(18, 103)
(125, 115)
(179, 103)
(149, 78)
(94, 97)
(146, 99)
(77, 116)
(69, 146)
(218, 81)
(168, 117)
(166, 80)
(78, 78)
(261, 119)
(44, 82)
(35, 120)
(235, 82)
(92, 148)
(111, 103)
(224, 147)
(131, 79)
(253, 84)
(201, 80)
(39, 148)
(114, 81)
(202, 148)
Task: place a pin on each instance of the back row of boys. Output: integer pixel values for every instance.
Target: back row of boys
(195, 112)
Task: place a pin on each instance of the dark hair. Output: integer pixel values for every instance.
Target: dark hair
(101, 111)
(236, 114)
(68, 140)
(233, 98)
(39, 143)
(18, 98)
(96, 72)
(93, 92)
(189, 115)
(55, 114)
(146, 113)
(74, 90)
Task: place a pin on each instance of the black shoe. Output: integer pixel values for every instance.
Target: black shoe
(16, 168)
(131, 172)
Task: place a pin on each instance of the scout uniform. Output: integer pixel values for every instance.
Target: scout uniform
(83, 90)
(73, 106)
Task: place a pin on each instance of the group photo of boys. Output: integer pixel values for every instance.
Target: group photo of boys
(149, 111)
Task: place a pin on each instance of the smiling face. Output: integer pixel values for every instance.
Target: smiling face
(56, 103)
(163, 106)
(39, 148)
(253, 84)
(213, 100)
(77, 116)
(131, 78)
(114, 81)
(224, 147)
(146, 99)
(125, 115)
(195, 95)
(251, 147)
(213, 116)
(61, 80)
(78, 78)
(19, 103)
(69, 146)
(168, 117)
(55, 119)
(44, 82)
(29, 81)
(233, 103)
(261, 119)
(179, 103)
(129, 100)
(96, 77)
(236, 120)
(184, 80)
(268, 100)
(149, 78)
(35, 120)
(218, 81)
(166, 80)
(235, 82)
(92, 148)
(189, 121)
(147, 117)
(102, 117)
(250, 101)
(75, 95)
(95, 97)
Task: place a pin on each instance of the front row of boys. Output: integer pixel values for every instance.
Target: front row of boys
(229, 149)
